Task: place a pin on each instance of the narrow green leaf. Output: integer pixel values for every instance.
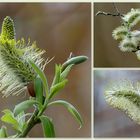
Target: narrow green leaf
(42, 76)
(38, 86)
(24, 105)
(21, 119)
(3, 132)
(57, 74)
(74, 60)
(56, 88)
(48, 127)
(70, 108)
(65, 72)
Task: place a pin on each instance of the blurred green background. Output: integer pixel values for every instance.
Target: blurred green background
(106, 51)
(59, 28)
(109, 121)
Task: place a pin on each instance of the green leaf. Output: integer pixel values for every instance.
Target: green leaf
(38, 86)
(56, 88)
(48, 127)
(24, 105)
(57, 74)
(70, 108)
(3, 132)
(65, 72)
(21, 120)
(74, 60)
(8, 117)
(21, 117)
(42, 76)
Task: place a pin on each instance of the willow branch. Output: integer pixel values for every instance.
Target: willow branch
(110, 14)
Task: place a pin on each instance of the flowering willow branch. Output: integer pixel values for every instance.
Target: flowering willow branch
(21, 70)
(129, 39)
(124, 95)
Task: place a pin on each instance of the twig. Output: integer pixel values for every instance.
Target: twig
(116, 8)
(110, 14)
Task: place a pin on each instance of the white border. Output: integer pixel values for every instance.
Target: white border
(113, 68)
(117, 1)
(92, 72)
(52, 1)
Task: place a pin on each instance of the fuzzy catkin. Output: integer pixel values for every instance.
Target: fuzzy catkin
(8, 29)
(126, 97)
(16, 72)
(129, 39)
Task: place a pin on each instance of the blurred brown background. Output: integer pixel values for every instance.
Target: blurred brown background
(59, 28)
(106, 51)
(109, 121)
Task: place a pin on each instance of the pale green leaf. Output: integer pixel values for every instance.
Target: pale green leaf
(65, 72)
(21, 119)
(9, 118)
(70, 108)
(56, 88)
(24, 105)
(57, 74)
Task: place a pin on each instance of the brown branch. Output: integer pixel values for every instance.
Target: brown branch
(110, 14)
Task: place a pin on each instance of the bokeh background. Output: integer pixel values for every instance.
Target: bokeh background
(108, 121)
(106, 51)
(59, 28)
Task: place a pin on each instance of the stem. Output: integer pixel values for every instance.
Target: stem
(32, 122)
(107, 14)
(44, 107)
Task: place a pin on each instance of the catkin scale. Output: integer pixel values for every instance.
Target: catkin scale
(31, 90)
